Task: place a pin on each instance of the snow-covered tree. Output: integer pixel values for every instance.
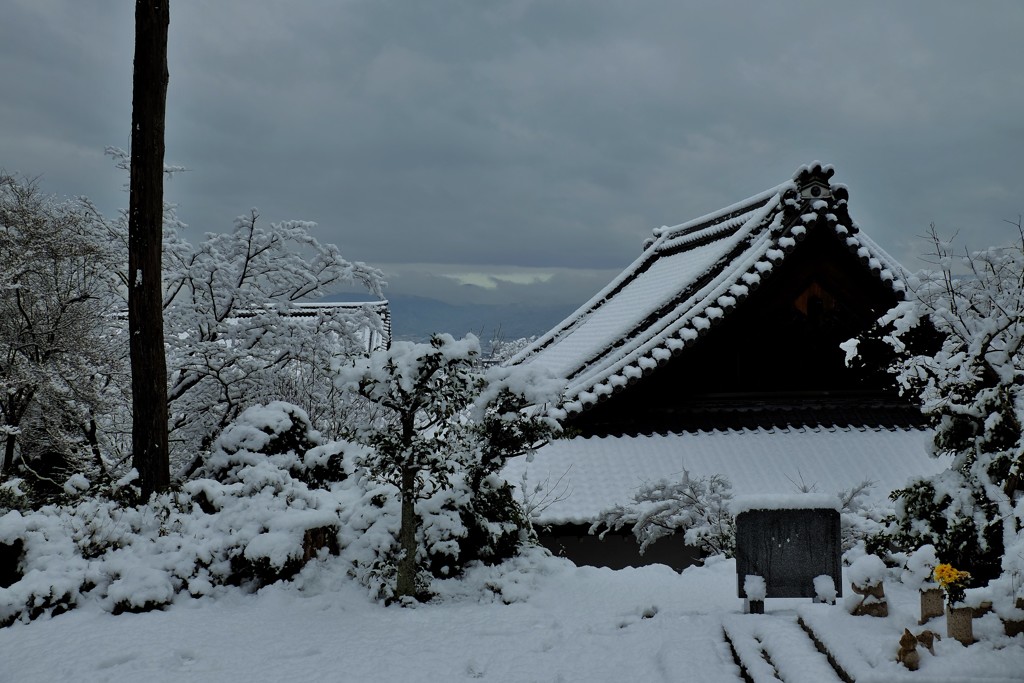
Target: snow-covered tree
(229, 337)
(56, 296)
(504, 349)
(444, 421)
(226, 311)
(959, 340)
(698, 507)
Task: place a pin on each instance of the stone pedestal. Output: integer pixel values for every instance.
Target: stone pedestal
(873, 604)
(960, 624)
(931, 604)
(1014, 627)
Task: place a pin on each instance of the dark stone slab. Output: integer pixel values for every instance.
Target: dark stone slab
(789, 548)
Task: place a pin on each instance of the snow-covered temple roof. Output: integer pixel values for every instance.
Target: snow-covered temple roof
(373, 338)
(689, 278)
(580, 477)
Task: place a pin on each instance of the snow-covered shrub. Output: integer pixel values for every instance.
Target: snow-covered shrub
(445, 431)
(950, 512)
(861, 517)
(12, 497)
(255, 525)
(462, 525)
(458, 528)
(696, 506)
(280, 432)
(919, 568)
(959, 349)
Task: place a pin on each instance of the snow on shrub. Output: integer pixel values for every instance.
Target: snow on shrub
(270, 497)
(459, 529)
(866, 571)
(696, 506)
(137, 558)
(956, 344)
(860, 515)
(282, 433)
(250, 527)
(12, 497)
(445, 430)
(920, 567)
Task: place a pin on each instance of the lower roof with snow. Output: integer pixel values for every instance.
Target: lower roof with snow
(580, 477)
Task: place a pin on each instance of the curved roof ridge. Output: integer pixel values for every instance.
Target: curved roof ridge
(714, 216)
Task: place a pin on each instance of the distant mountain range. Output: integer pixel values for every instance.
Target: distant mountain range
(416, 318)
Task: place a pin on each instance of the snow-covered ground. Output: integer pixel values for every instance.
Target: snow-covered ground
(561, 623)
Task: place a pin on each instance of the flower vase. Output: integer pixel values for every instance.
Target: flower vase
(960, 623)
(931, 603)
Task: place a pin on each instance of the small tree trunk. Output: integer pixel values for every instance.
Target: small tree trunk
(12, 441)
(15, 407)
(406, 584)
(91, 431)
(145, 247)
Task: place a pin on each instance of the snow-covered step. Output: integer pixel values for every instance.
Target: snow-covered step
(774, 648)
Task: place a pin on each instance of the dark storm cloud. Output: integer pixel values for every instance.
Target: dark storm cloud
(549, 134)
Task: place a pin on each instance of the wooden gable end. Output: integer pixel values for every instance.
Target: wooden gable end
(774, 360)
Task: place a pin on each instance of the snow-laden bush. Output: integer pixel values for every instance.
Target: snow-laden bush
(271, 497)
(696, 506)
(282, 433)
(12, 497)
(949, 511)
(133, 558)
(252, 522)
(861, 517)
(958, 342)
(460, 526)
(919, 568)
(446, 429)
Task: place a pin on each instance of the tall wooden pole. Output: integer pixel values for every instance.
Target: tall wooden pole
(145, 245)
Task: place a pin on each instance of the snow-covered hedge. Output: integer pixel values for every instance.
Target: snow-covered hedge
(256, 529)
(270, 498)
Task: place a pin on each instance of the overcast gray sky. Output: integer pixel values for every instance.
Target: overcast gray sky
(531, 146)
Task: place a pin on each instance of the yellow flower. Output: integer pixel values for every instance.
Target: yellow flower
(946, 575)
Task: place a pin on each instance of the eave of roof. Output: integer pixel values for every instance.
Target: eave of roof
(690, 277)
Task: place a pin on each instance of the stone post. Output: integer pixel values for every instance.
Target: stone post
(960, 623)
(931, 603)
